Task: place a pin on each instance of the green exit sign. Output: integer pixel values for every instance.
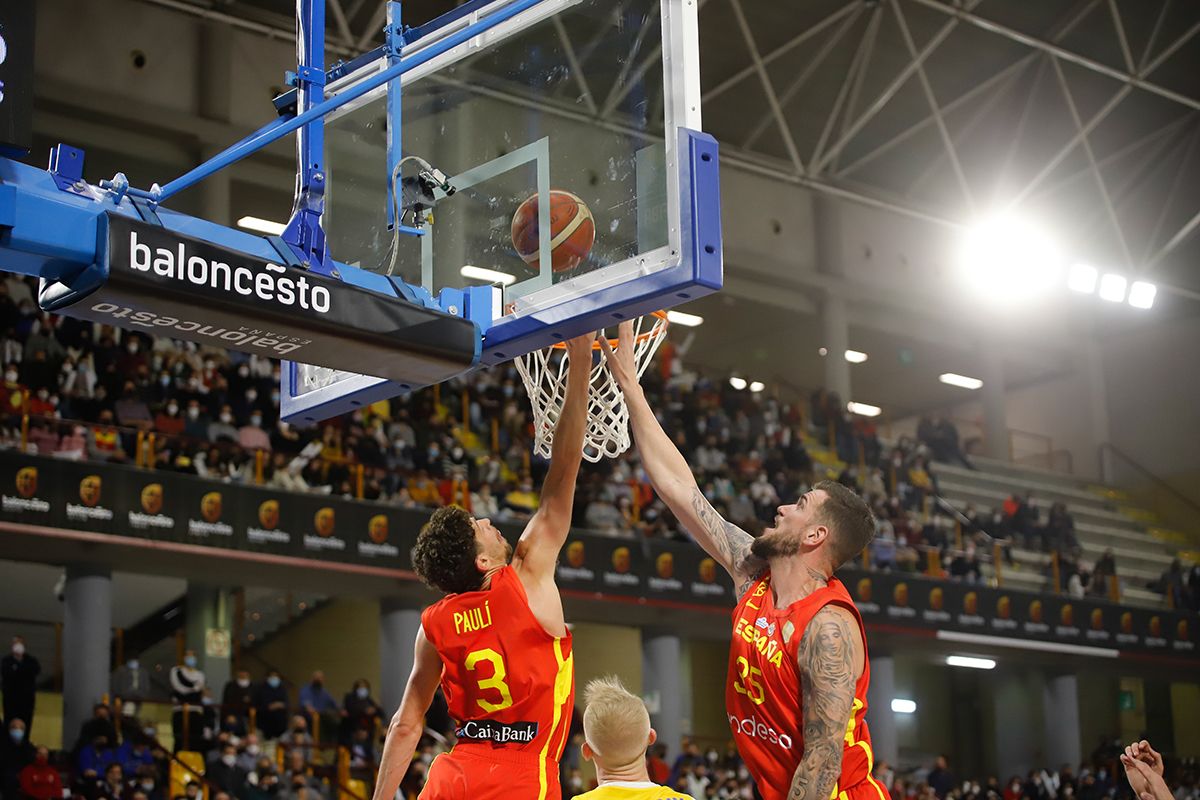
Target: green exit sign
(906, 356)
(1126, 701)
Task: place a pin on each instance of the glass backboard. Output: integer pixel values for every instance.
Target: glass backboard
(598, 99)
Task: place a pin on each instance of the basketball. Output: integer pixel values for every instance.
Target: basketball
(572, 231)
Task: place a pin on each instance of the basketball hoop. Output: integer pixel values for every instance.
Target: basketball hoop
(545, 375)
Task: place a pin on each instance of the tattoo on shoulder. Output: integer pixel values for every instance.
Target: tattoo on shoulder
(731, 542)
(826, 661)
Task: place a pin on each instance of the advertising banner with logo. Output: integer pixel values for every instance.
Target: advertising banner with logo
(166, 506)
(918, 602)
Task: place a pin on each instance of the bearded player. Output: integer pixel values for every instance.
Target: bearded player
(796, 693)
(497, 642)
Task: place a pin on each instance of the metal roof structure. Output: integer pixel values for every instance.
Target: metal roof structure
(1082, 113)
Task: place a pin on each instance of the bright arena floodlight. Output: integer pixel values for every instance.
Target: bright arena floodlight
(902, 706)
(737, 383)
(863, 409)
(1112, 287)
(1141, 294)
(1009, 259)
(856, 356)
(961, 381)
(970, 662)
(489, 275)
(757, 386)
(686, 320)
(1082, 278)
(260, 225)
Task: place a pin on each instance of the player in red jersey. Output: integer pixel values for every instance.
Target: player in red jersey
(796, 693)
(497, 642)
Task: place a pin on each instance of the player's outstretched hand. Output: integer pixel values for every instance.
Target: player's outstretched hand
(621, 362)
(1145, 782)
(1143, 752)
(579, 349)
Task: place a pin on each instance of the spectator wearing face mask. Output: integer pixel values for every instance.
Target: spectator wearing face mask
(316, 701)
(237, 698)
(298, 783)
(297, 737)
(131, 683)
(15, 754)
(187, 693)
(222, 428)
(134, 753)
(195, 420)
(169, 421)
(251, 436)
(360, 711)
(39, 780)
(95, 755)
(18, 681)
(271, 700)
(262, 782)
(249, 753)
(226, 774)
(146, 782)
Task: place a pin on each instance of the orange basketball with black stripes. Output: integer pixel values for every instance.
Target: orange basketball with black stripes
(572, 231)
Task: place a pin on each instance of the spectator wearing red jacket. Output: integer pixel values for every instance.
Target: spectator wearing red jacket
(39, 779)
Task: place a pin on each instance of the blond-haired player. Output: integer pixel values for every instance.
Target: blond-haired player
(616, 731)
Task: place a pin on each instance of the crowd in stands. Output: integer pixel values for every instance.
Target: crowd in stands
(89, 390)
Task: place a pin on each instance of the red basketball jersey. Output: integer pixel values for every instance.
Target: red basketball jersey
(509, 684)
(763, 697)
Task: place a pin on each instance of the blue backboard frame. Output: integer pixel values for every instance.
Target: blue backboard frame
(690, 266)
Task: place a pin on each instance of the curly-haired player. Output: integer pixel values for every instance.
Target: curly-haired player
(497, 642)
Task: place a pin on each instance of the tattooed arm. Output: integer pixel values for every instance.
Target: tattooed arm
(672, 478)
(831, 660)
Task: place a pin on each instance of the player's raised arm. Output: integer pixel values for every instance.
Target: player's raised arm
(537, 551)
(830, 664)
(672, 477)
(408, 723)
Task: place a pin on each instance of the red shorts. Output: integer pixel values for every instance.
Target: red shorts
(466, 774)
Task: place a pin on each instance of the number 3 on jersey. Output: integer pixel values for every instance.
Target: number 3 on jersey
(752, 688)
(495, 683)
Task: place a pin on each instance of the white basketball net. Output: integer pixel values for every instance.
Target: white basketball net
(545, 376)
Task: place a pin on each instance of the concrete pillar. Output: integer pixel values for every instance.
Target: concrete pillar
(87, 638)
(210, 609)
(1097, 387)
(662, 681)
(1060, 711)
(835, 328)
(995, 418)
(1015, 716)
(881, 720)
(398, 626)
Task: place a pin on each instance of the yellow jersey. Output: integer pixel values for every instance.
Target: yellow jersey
(633, 790)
